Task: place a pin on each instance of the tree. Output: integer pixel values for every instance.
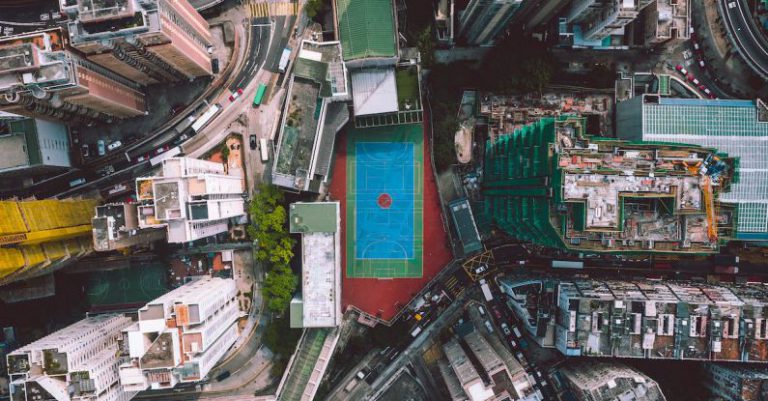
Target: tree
(279, 287)
(314, 7)
(426, 45)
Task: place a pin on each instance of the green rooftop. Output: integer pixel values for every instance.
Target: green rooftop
(366, 28)
(315, 217)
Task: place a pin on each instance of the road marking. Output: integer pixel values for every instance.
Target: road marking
(264, 9)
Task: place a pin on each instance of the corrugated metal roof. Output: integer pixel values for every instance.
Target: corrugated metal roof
(374, 91)
(366, 28)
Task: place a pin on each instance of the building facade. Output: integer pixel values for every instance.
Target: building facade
(587, 380)
(79, 362)
(481, 23)
(552, 184)
(597, 20)
(40, 77)
(643, 319)
(180, 336)
(32, 146)
(736, 127)
(732, 382)
(192, 198)
(534, 15)
(146, 41)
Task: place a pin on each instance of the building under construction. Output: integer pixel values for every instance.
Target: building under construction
(40, 236)
(551, 184)
(643, 319)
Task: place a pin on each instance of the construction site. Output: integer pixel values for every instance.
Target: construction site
(552, 184)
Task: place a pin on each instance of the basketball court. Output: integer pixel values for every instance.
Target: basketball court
(385, 170)
(126, 286)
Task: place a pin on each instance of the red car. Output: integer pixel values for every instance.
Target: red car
(235, 94)
(681, 69)
(702, 88)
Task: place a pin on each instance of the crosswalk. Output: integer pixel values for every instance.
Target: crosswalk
(266, 9)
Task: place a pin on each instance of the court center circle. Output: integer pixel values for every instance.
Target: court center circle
(384, 201)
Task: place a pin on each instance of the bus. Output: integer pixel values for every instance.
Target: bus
(205, 118)
(567, 264)
(259, 95)
(486, 290)
(284, 59)
(165, 155)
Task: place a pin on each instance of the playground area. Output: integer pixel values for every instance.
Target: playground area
(385, 198)
(115, 289)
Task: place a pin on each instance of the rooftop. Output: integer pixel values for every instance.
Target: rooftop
(318, 222)
(366, 28)
(609, 381)
(300, 127)
(605, 194)
(672, 20)
(735, 127)
(322, 63)
(314, 217)
(464, 223)
(374, 91)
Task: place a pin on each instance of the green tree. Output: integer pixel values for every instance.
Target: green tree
(314, 7)
(279, 287)
(426, 45)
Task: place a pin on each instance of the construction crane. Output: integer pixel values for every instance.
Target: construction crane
(709, 208)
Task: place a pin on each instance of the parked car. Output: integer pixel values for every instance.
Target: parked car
(481, 310)
(496, 312)
(161, 149)
(85, 150)
(101, 147)
(253, 142)
(142, 158)
(235, 94)
(505, 329)
(681, 69)
(696, 47)
(114, 145)
(708, 92)
(701, 63)
(76, 182)
(517, 332)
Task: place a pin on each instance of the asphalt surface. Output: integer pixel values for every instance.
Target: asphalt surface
(751, 43)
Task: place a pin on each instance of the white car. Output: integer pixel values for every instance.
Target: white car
(732, 5)
(114, 145)
(505, 329)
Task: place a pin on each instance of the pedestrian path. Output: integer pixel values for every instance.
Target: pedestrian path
(266, 9)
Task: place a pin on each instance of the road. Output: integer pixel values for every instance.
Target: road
(744, 33)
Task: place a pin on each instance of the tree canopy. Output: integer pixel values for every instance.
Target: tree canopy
(268, 228)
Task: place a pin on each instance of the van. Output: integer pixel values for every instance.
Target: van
(481, 310)
(516, 331)
(74, 183)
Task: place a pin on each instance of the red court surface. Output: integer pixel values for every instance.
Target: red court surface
(384, 297)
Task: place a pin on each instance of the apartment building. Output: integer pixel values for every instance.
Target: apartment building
(192, 198)
(31, 146)
(481, 23)
(734, 382)
(180, 336)
(598, 20)
(116, 226)
(587, 380)
(79, 361)
(40, 77)
(643, 319)
(146, 41)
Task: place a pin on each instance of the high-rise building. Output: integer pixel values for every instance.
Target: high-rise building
(481, 23)
(147, 41)
(588, 380)
(78, 362)
(40, 236)
(465, 372)
(733, 382)
(532, 15)
(31, 146)
(319, 304)
(596, 20)
(666, 20)
(116, 226)
(643, 319)
(736, 127)
(193, 198)
(39, 77)
(180, 336)
(552, 184)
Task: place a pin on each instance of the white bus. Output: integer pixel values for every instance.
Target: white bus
(486, 290)
(205, 118)
(284, 59)
(264, 149)
(172, 152)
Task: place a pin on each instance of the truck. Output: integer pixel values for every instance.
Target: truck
(486, 290)
(284, 59)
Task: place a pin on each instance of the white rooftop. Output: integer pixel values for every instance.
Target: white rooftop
(374, 91)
